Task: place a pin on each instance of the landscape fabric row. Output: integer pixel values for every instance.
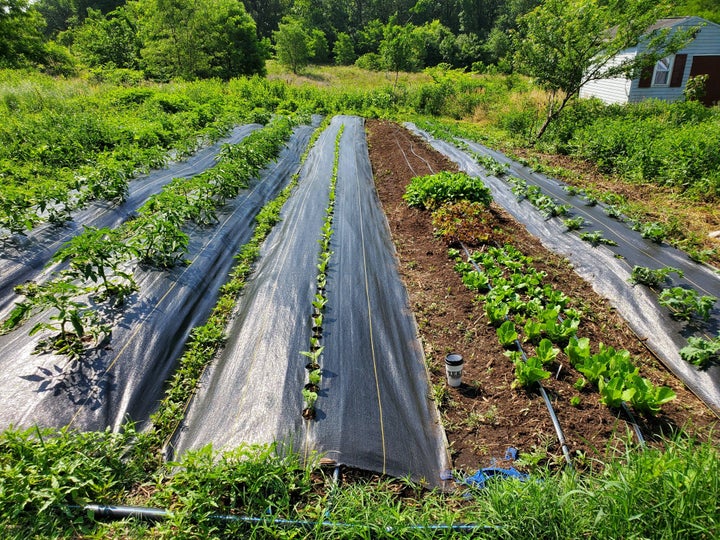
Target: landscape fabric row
(608, 268)
(374, 410)
(124, 380)
(24, 258)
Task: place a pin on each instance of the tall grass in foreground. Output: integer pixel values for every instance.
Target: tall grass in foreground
(669, 492)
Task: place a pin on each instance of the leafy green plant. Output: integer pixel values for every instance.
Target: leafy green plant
(507, 334)
(596, 238)
(573, 224)
(94, 252)
(545, 352)
(314, 376)
(433, 190)
(74, 321)
(646, 397)
(529, 372)
(613, 392)
(496, 312)
(533, 331)
(653, 231)
(561, 331)
(652, 278)
(687, 303)
(614, 211)
(476, 281)
(578, 350)
(701, 352)
(575, 401)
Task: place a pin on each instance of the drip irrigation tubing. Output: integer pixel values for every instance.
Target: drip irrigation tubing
(159, 514)
(624, 406)
(543, 393)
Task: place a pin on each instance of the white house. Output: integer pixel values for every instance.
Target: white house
(669, 76)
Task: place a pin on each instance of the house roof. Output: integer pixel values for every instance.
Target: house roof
(668, 23)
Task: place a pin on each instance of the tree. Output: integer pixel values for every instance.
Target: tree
(318, 46)
(106, 40)
(291, 45)
(21, 39)
(344, 51)
(193, 39)
(400, 49)
(565, 44)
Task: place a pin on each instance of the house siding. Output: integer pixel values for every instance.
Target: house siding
(706, 43)
(615, 90)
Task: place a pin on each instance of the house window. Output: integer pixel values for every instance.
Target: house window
(661, 75)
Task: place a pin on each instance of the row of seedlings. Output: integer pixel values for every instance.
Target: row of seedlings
(524, 310)
(100, 262)
(313, 366)
(206, 340)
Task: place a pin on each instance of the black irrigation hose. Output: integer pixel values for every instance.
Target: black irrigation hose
(159, 514)
(543, 393)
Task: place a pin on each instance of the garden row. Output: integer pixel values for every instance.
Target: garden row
(526, 310)
(98, 264)
(684, 302)
(63, 145)
(314, 354)
(670, 230)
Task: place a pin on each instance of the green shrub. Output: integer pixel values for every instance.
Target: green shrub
(433, 190)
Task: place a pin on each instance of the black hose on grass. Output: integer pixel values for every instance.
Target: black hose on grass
(158, 514)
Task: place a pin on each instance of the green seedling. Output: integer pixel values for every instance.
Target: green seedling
(573, 224)
(652, 278)
(507, 335)
(701, 352)
(687, 303)
(529, 372)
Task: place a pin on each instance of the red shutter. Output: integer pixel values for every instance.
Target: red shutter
(678, 70)
(646, 77)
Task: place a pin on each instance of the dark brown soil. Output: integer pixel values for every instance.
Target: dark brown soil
(485, 416)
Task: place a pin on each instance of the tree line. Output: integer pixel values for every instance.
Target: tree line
(191, 39)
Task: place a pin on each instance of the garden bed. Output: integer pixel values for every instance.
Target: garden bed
(485, 415)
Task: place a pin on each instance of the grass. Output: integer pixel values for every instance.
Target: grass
(342, 77)
(665, 492)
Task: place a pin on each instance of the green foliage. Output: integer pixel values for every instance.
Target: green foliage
(71, 320)
(291, 45)
(344, 50)
(617, 379)
(701, 352)
(400, 49)
(687, 303)
(507, 335)
(46, 471)
(191, 40)
(529, 372)
(433, 190)
(574, 224)
(596, 238)
(106, 40)
(248, 479)
(564, 44)
(671, 145)
(652, 278)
